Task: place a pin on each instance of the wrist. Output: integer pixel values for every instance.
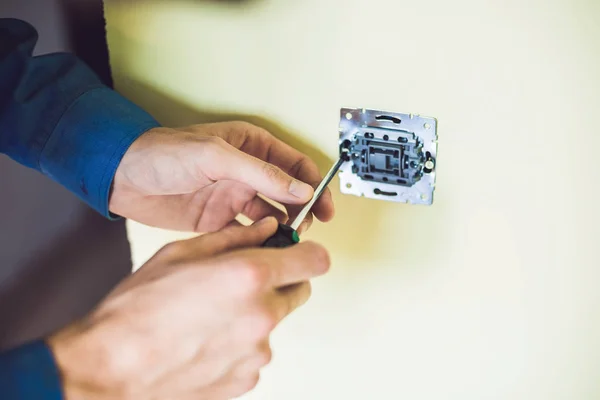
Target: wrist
(81, 362)
(140, 172)
(117, 197)
(121, 189)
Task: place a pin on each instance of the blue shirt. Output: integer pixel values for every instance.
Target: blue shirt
(59, 119)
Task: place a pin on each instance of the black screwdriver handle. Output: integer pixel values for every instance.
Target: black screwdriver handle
(285, 236)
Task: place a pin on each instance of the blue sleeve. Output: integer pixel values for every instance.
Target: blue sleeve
(58, 118)
(29, 372)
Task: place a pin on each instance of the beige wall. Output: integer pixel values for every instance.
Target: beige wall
(491, 293)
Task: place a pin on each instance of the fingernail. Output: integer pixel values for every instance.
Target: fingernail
(300, 189)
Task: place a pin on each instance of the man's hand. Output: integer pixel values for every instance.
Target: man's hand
(201, 177)
(192, 323)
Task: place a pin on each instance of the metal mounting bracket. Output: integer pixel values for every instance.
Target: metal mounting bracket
(391, 156)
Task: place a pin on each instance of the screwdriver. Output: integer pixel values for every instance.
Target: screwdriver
(287, 235)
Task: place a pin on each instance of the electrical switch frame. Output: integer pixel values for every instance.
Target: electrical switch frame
(390, 156)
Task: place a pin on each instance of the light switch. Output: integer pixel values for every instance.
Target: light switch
(391, 156)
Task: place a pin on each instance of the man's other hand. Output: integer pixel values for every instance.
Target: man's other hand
(193, 323)
(201, 177)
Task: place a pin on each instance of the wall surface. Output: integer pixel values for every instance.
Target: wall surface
(492, 292)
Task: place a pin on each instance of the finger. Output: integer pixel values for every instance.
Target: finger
(305, 225)
(232, 387)
(234, 237)
(272, 268)
(243, 377)
(234, 224)
(225, 162)
(295, 264)
(260, 143)
(257, 209)
(307, 171)
(287, 299)
(251, 364)
(212, 368)
(221, 203)
(303, 168)
(323, 208)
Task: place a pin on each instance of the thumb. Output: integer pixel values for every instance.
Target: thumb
(227, 162)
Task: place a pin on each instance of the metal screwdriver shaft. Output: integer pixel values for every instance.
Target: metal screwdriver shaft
(318, 191)
(287, 235)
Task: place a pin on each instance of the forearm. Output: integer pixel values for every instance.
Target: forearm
(58, 118)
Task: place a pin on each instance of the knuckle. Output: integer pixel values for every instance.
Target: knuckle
(250, 277)
(306, 291)
(248, 128)
(265, 357)
(305, 295)
(171, 250)
(301, 295)
(323, 258)
(212, 148)
(215, 141)
(244, 126)
(271, 171)
(245, 277)
(243, 130)
(250, 383)
(301, 164)
(262, 325)
(245, 385)
(123, 364)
